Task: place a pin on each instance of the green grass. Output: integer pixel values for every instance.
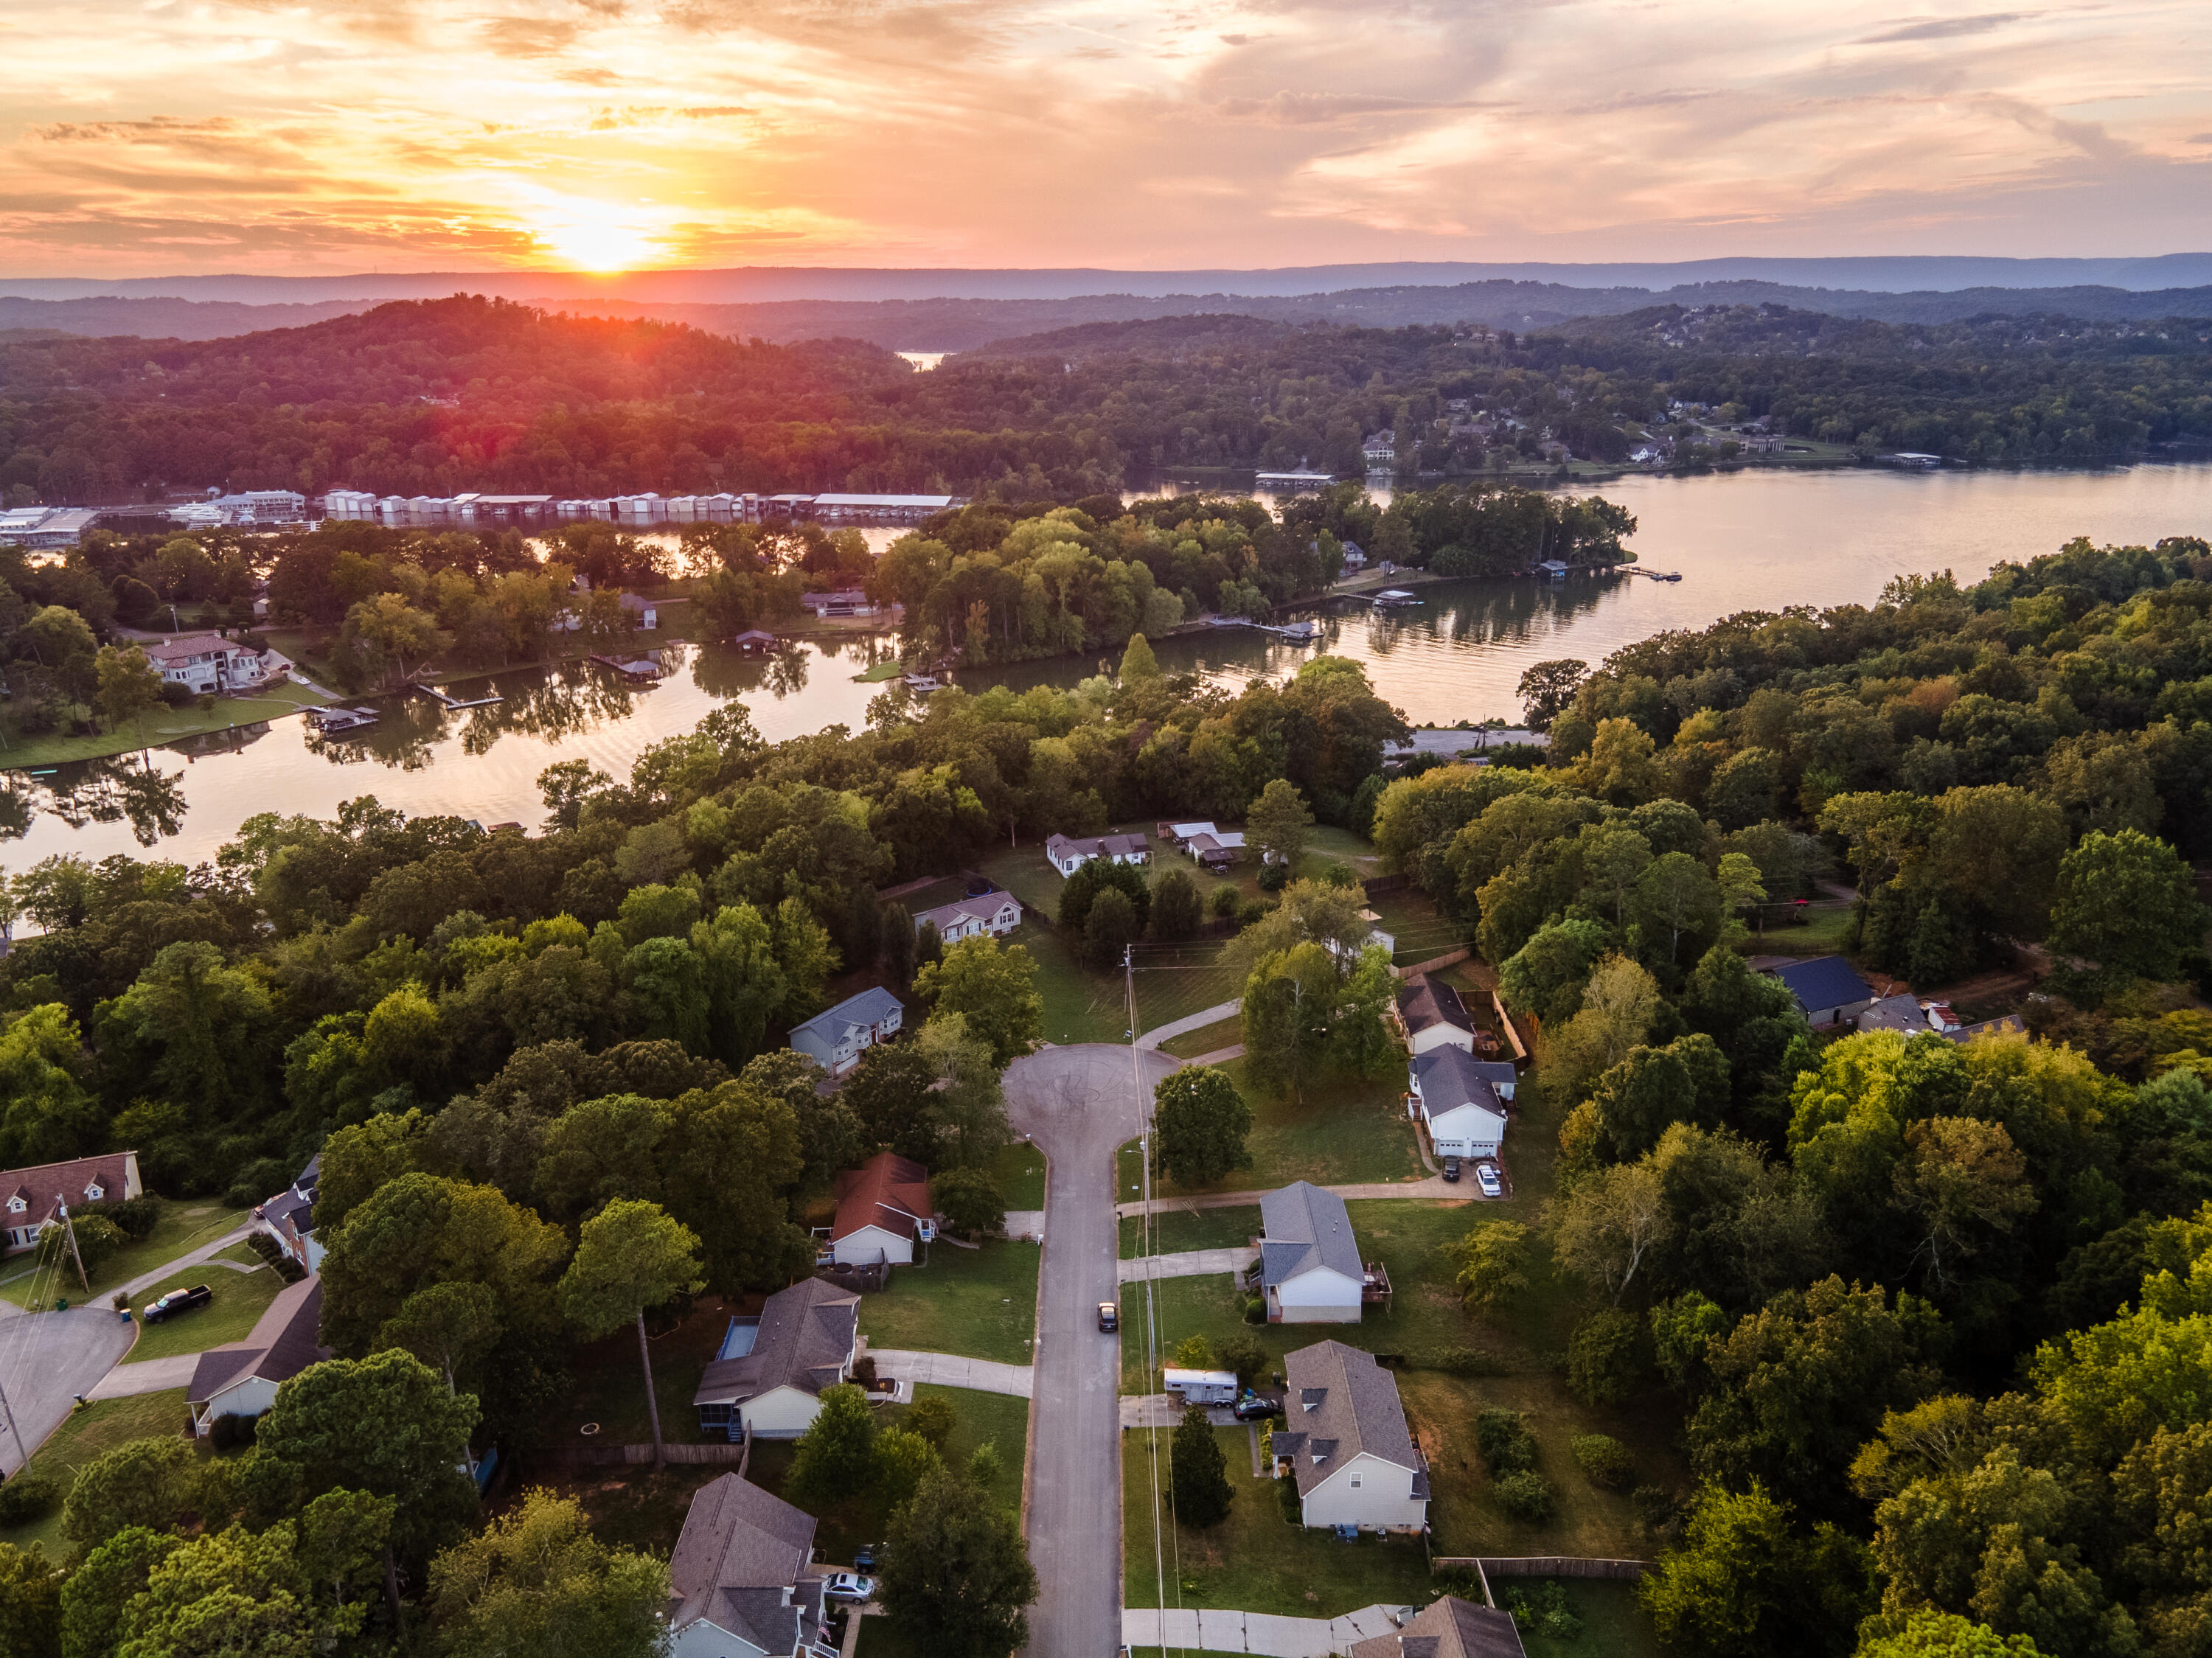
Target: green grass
(240, 1299)
(1192, 1228)
(890, 668)
(1256, 1560)
(609, 1385)
(1207, 1039)
(160, 723)
(1421, 931)
(979, 1303)
(87, 1436)
(1079, 1006)
(182, 1227)
(1020, 1172)
(1341, 1133)
(1614, 1623)
(1825, 932)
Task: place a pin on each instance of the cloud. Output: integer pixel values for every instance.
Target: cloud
(1942, 28)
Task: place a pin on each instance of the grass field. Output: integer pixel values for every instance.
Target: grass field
(609, 1387)
(1254, 1560)
(1825, 932)
(1079, 1006)
(1191, 1228)
(183, 1227)
(1020, 1172)
(1341, 1133)
(86, 1436)
(240, 1299)
(1207, 1039)
(979, 1303)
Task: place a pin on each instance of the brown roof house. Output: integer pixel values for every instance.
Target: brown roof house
(883, 1208)
(240, 1378)
(1345, 1440)
(741, 1583)
(29, 1198)
(1448, 1627)
(770, 1371)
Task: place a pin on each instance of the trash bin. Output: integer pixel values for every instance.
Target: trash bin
(62, 1304)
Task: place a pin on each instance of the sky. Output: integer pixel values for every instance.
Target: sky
(142, 137)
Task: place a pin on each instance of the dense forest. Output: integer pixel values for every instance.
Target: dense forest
(439, 397)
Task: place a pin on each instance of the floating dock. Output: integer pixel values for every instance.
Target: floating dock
(450, 702)
(328, 720)
(637, 670)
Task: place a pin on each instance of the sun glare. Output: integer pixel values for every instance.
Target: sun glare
(592, 243)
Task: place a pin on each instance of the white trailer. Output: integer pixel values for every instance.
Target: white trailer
(1203, 1386)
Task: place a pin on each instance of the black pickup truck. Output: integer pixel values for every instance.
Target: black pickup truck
(176, 1302)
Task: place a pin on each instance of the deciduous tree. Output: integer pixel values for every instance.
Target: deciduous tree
(629, 1256)
(1200, 1124)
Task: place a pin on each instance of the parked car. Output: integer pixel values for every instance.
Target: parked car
(1486, 1178)
(1255, 1407)
(1110, 1317)
(863, 1558)
(176, 1301)
(1451, 1169)
(848, 1586)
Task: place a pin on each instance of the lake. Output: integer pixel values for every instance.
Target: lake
(1753, 540)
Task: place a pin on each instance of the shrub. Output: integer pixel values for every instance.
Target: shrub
(230, 1431)
(1543, 1611)
(1193, 1353)
(1286, 1493)
(136, 1215)
(1604, 1358)
(1655, 1507)
(1255, 1310)
(26, 1497)
(1604, 1460)
(1526, 1495)
(1255, 911)
(1273, 878)
(255, 1182)
(1502, 1439)
(1246, 1355)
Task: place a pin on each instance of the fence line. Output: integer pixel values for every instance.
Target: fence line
(608, 1455)
(1450, 959)
(1505, 1025)
(1540, 1565)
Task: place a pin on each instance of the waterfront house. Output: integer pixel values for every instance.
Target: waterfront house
(1068, 856)
(1457, 1097)
(836, 1038)
(742, 1581)
(641, 612)
(1308, 1270)
(846, 601)
(1344, 1440)
(34, 1195)
(884, 1209)
(240, 1378)
(207, 664)
(994, 913)
(1355, 558)
(769, 1373)
(1827, 988)
(754, 639)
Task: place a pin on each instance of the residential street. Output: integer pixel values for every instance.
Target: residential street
(47, 1359)
(1078, 1103)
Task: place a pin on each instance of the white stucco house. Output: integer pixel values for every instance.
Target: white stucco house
(884, 1209)
(742, 1582)
(1460, 1100)
(240, 1378)
(207, 664)
(995, 912)
(769, 1373)
(1343, 1438)
(1308, 1270)
(1068, 856)
(836, 1038)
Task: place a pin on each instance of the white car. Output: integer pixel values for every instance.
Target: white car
(848, 1586)
(1485, 1176)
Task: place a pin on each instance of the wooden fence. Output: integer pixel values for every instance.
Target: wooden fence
(1540, 1565)
(1450, 959)
(608, 1455)
(1505, 1026)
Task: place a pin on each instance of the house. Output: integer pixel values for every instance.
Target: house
(1909, 1015)
(289, 1217)
(1448, 1627)
(994, 913)
(1827, 988)
(884, 1207)
(240, 1378)
(742, 1582)
(1216, 848)
(35, 1195)
(1457, 1097)
(640, 613)
(1068, 856)
(770, 1372)
(1381, 448)
(1554, 567)
(836, 1038)
(1431, 1014)
(846, 601)
(207, 664)
(1308, 1268)
(1355, 557)
(754, 639)
(1376, 935)
(1344, 1440)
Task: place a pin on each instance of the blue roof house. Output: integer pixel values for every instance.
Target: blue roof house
(1827, 988)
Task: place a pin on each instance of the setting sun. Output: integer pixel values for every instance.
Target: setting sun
(592, 242)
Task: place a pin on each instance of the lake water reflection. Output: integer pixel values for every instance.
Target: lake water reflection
(1757, 540)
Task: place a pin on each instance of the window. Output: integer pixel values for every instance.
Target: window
(1355, 1482)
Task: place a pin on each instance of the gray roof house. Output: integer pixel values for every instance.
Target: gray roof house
(1827, 988)
(1462, 1100)
(1308, 1268)
(1068, 856)
(995, 912)
(770, 1371)
(240, 1378)
(1345, 1440)
(836, 1038)
(1448, 1627)
(741, 1581)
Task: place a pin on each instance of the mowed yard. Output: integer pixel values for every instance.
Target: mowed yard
(183, 1226)
(1340, 1132)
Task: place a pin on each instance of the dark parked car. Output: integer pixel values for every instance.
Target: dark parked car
(863, 1558)
(1253, 1408)
(1451, 1169)
(1110, 1317)
(176, 1301)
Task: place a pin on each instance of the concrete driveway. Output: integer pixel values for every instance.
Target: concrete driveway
(951, 1370)
(1187, 1263)
(1078, 1103)
(47, 1359)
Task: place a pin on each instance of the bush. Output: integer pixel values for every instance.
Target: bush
(1246, 1355)
(971, 1202)
(1543, 1611)
(1273, 878)
(1655, 1508)
(1255, 1310)
(1255, 911)
(230, 1431)
(137, 1216)
(1286, 1493)
(1227, 901)
(1502, 1439)
(1605, 1357)
(256, 1182)
(1193, 1353)
(26, 1497)
(1526, 1495)
(1604, 1460)
(264, 1245)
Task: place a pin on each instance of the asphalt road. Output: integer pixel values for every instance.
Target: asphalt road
(47, 1359)
(1078, 1103)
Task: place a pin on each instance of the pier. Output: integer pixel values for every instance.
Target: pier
(451, 702)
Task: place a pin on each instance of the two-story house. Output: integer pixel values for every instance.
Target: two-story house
(836, 1038)
(1344, 1440)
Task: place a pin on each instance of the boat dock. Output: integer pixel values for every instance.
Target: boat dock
(637, 670)
(328, 720)
(1656, 575)
(452, 703)
(1297, 633)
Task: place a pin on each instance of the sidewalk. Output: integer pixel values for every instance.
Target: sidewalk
(1194, 1022)
(1434, 1186)
(1187, 1263)
(1165, 1411)
(1253, 1631)
(950, 1370)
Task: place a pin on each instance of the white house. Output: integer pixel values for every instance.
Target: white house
(1068, 856)
(846, 601)
(1344, 1440)
(240, 1378)
(883, 1208)
(1459, 1097)
(642, 613)
(742, 1582)
(836, 1038)
(995, 912)
(34, 1195)
(208, 664)
(770, 1371)
(1216, 848)
(289, 1217)
(1432, 1016)
(1309, 1269)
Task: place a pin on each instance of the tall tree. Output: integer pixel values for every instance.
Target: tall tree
(1198, 1473)
(836, 1456)
(2127, 904)
(1277, 823)
(630, 1256)
(954, 1572)
(995, 986)
(535, 1580)
(1200, 1123)
(128, 684)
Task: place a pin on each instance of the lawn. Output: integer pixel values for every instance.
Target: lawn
(1825, 932)
(1020, 1173)
(1342, 1131)
(87, 1436)
(609, 1387)
(182, 1227)
(1191, 1228)
(1614, 1623)
(1254, 1560)
(1207, 1039)
(240, 1299)
(979, 1303)
(1420, 931)
(1079, 1006)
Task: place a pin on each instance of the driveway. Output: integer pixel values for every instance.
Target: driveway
(47, 1359)
(951, 1370)
(1187, 1263)
(1435, 1186)
(1253, 1631)
(1078, 1104)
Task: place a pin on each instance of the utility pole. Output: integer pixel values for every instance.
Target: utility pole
(69, 1227)
(14, 1434)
